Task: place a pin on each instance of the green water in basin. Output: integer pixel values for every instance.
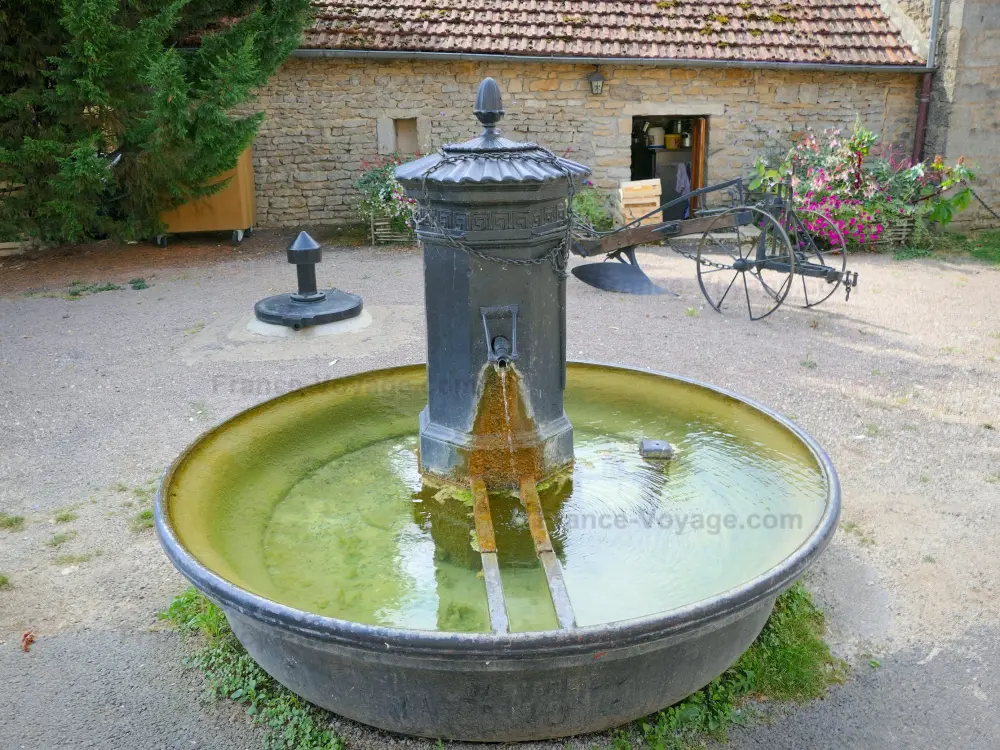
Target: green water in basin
(314, 500)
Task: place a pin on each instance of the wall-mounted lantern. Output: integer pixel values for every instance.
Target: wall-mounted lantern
(596, 82)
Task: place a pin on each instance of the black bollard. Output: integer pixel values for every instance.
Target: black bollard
(309, 306)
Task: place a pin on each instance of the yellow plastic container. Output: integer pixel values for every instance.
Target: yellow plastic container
(234, 208)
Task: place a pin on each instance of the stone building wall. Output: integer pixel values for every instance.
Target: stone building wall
(964, 118)
(327, 115)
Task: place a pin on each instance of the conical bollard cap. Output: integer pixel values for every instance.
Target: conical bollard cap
(304, 249)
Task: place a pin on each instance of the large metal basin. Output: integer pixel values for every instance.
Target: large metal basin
(476, 686)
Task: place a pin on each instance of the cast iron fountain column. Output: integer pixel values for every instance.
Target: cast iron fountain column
(493, 220)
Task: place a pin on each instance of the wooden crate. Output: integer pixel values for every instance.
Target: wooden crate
(897, 235)
(640, 188)
(383, 234)
(637, 198)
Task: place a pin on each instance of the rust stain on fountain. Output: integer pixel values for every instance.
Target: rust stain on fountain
(505, 441)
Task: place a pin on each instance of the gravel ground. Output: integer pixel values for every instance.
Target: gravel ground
(99, 394)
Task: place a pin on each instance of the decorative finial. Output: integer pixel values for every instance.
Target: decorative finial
(489, 106)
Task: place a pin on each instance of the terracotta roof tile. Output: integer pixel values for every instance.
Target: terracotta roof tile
(804, 31)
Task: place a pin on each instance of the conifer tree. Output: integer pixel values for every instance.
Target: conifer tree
(165, 84)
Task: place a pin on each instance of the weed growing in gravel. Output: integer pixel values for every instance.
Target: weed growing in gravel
(11, 523)
(145, 493)
(78, 289)
(138, 283)
(910, 253)
(195, 328)
(852, 527)
(78, 559)
(788, 661)
(929, 559)
(692, 312)
(58, 540)
(993, 478)
(872, 430)
(809, 364)
(291, 722)
(141, 521)
(65, 516)
(5, 582)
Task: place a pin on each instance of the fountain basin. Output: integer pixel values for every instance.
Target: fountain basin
(391, 631)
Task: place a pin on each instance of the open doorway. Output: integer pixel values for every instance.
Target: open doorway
(672, 149)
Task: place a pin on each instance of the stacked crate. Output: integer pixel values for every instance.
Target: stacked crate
(636, 199)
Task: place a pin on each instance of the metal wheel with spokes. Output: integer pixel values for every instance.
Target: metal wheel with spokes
(820, 256)
(745, 260)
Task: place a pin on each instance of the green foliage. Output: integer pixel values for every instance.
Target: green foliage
(141, 521)
(381, 195)
(81, 79)
(594, 207)
(863, 194)
(983, 246)
(788, 661)
(11, 522)
(230, 673)
(78, 289)
(58, 540)
(138, 283)
(78, 559)
(909, 253)
(5, 582)
(986, 246)
(65, 516)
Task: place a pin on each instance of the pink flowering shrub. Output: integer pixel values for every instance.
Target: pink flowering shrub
(863, 194)
(381, 195)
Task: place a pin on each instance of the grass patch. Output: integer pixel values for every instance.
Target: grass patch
(78, 559)
(788, 661)
(350, 235)
(291, 722)
(912, 253)
(141, 521)
(65, 516)
(692, 312)
(195, 328)
(852, 527)
(58, 540)
(809, 364)
(872, 430)
(145, 493)
(138, 283)
(984, 246)
(78, 289)
(11, 523)
(5, 582)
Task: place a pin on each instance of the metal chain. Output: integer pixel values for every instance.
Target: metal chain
(558, 256)
(987, 207)
(700, 261)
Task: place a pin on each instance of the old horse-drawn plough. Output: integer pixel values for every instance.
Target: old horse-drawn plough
(750, 255)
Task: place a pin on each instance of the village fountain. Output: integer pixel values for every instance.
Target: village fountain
(548, 549)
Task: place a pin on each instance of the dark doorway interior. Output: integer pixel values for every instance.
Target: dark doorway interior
(672, 149)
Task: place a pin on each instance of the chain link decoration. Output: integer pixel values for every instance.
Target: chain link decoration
(558, 256)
